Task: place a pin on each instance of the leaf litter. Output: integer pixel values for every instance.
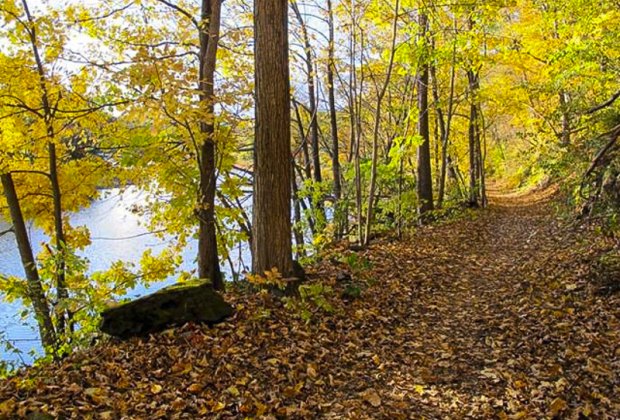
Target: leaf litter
(490, 316)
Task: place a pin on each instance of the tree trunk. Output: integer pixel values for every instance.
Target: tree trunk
(208, 260)
(472, 134)
(447, 125)
(272, 244)
(565, 140)
(310, 78)
(375, 133)
(331, 67)
(62, 294)
(304, 141)
(297, 228)
(425, 177)
(34, 286)
(63, 316)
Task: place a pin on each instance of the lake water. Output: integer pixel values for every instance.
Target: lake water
(113, 228)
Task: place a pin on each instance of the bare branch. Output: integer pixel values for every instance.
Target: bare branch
(6, 232)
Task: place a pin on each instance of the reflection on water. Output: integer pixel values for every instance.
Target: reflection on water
(113, 228)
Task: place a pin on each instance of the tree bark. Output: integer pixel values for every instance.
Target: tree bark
(447, 125)
(333, 120)
(565, 140)
(375, 133)
(425, 177)
(310, 78)
(272, 244)
(34, 285)
(297, 228)
(472, 135)
(208, 259)
(63, 316)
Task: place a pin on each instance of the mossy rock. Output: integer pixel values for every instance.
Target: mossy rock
(174, 305)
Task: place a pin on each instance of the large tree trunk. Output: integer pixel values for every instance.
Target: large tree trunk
(425, 177)
(271, 246)
(208, 260)
(34, 286)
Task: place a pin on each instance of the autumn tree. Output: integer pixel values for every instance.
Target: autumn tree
(48, 114)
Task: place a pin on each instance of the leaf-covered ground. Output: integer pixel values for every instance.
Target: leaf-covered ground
(492, 316)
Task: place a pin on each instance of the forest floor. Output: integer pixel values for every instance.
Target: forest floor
(497, 314)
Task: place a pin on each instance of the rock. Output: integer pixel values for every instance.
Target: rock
(174, 305)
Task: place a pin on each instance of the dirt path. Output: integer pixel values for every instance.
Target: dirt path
(493, 316)
(504, 319)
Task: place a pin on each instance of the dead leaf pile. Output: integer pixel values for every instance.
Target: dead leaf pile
(489, 317)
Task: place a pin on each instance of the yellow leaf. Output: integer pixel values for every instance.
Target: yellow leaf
(156, 388)
(7, 407)
(557, 406)
(232, 390)
(419, 389)
(261, 408)
(219, 406)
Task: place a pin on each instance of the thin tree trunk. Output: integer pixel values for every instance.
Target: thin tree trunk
(34, 286)
(375, 133)
(447, 126)
(63, 316)
(565, 140)
(472, 135)
(333, 120)
(297, 228)
(425, 177)
(208, 259)
(480, 134)
(272, 244)
(304, 141)
(306, 208)
(354, 110)
(310, 78)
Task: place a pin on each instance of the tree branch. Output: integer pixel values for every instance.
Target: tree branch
(5, 232)
(605, 104)
(182, 11)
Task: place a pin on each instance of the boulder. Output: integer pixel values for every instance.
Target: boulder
(173, 305)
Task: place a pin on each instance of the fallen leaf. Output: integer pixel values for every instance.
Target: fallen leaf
(371, 396)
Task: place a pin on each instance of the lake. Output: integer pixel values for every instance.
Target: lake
(113, 228)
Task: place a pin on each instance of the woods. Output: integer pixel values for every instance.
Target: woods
(262, 137)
